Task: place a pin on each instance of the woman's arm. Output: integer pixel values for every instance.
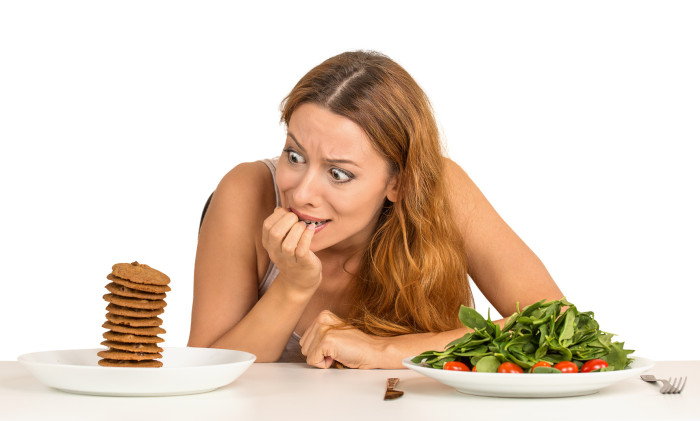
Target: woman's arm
(502, 266)
(328, 340)
(226, 312)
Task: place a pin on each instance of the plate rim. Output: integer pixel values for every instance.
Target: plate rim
(93, 379)
(535, 383)
(24, 359)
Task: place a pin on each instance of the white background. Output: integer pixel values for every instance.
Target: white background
(117, 119)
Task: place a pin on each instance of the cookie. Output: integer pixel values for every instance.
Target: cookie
(140, 274)
(143, 331)
(134, 321)
(133, 347)
(133, 312)
(131, 338)
(115, 354)
(120, 363)
(134, 302)
(141, 287)
(123, 291)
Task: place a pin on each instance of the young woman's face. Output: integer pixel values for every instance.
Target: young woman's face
(330, 174)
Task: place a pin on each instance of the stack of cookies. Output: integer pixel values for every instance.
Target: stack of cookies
(135, 301)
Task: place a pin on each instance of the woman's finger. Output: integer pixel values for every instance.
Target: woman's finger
(278, 231)
(291, 240)
(304, 244)
(327, 347)
(310, 337)
(317, 330)
(270, 222)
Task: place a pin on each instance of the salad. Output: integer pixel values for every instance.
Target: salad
(545, 337)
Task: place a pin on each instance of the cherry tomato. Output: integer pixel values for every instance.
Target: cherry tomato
(540, 364)
(474, 368)
(509, 367)
(566, 367)
(456, 366)
(592, 365)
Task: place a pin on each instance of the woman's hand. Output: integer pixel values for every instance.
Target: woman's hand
(287, 241)
(327, 340)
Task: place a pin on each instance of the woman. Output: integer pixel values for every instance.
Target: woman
(356, 244)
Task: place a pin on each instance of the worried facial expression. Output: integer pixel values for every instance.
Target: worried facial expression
(329, 174)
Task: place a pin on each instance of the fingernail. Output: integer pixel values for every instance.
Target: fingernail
(311, 227)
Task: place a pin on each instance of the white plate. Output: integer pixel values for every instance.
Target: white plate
(185, 371)
(529, 385)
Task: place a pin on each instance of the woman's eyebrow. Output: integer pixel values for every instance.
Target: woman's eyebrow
(341, 161)
(328, 160)
(296, 141)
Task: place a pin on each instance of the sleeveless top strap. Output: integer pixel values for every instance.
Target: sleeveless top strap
(272, 270)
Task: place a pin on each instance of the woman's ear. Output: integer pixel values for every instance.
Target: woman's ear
(392, 189)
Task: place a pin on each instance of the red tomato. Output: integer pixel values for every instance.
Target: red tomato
(592, 365)
(456, 366)
(474, 368)
(566, 367)
(509, 367)
(540, 364)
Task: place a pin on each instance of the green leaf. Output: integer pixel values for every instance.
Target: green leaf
(531, 308)
(476, 352)
(617, 357)
(567, 330)
(541, 351)
(471, 318)
(487, 365)
(461, 340)
(541, 369)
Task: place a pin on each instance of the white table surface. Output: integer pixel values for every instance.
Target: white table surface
(276, 391)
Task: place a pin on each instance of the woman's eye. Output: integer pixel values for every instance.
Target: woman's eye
(295, 158)
(340, 176)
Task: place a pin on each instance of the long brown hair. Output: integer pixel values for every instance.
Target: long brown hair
(413, 273)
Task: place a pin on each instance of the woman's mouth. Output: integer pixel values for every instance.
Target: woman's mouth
(314, 223)
(311, 222)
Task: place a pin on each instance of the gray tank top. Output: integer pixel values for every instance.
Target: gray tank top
(292, 351)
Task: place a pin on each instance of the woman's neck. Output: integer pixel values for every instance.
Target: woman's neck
(338, 268)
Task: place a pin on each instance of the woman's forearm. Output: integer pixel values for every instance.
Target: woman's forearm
(265, 330)
(396, 348)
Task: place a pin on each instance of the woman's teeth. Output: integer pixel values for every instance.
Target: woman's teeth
(316, 223)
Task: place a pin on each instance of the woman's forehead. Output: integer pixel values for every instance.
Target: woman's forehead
(313, 127)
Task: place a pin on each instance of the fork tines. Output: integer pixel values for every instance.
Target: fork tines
(674, 385)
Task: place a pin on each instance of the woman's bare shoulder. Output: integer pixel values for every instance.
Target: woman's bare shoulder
(247, 187)
(244, 197)
(462, 191)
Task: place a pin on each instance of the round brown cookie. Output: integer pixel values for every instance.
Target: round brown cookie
(115, 354)
(141, 274)
(134, 302)
(133, 347)
(141, 287)
(130, 338)
(134, 321)
(118, 363)
(133, 312)
(123, 291)
(144, 331)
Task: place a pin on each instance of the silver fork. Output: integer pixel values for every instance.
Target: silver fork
(669, 386)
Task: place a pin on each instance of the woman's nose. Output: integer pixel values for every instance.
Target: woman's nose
(307, 191)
